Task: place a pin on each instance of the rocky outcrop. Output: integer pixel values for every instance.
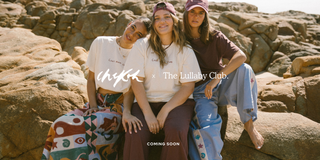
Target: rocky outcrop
(10, 13)
(36, 8)
(82, 21)
(281, 92)
(272, 33)
(279, 63)
(46, 25)
(287, 52)
(286, 136)
(262, 32)
(80, 29)
(78, 22)
(294, 94)
(314, 34)
(29, 21)
(38, 83)
(80, 56)
(232, 6)
(244, 43)
(312, 85)
(288, 47)
(304, 66)
(305, 26)
(95, 21)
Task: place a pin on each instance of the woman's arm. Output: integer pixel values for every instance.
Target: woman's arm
(236, 61)
(91, 89)
(128, 98)
(178, 99)
(140, 94)
(127, 117)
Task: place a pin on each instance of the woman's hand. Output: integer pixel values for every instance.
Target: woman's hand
(162, 116)
(210, 86)
(152, 123)
(131, 120)
(90, 111)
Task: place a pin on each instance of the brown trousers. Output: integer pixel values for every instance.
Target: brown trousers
(176, 127)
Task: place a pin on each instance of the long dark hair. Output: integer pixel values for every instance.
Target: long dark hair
(205, 30)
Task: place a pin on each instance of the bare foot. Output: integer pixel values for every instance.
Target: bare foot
(255, 136)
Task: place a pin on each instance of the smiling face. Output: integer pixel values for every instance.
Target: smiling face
(196, 17)
(134, 31)
(163, 22)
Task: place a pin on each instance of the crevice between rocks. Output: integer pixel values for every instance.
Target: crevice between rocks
(273, 156)
(23, 152)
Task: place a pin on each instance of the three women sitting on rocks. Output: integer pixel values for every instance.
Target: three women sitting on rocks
(167, 70)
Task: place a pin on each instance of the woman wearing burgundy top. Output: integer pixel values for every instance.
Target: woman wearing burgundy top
(234, 84)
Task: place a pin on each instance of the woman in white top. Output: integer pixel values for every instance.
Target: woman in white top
(167, 70)
(92, 133)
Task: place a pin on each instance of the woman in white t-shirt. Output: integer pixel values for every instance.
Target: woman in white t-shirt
(166, 70)
(92, 133)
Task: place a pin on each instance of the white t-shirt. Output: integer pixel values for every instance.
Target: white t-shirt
(162, 83)
(107, 59)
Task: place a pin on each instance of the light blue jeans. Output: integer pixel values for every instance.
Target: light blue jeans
(238, 89)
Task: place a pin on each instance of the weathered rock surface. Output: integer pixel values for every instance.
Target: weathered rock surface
(93, 20)
(282, 93)
(262, 32)
(312, 85)
(286, 136)
(232, 6)
(10, 13)
(29, 21)
(288, 47)
(261, 55)
(304, 66)
(244, 43)
(280, 65)
(78, 22)
(295, 94)
(38, 83)
(77, 4)
(36, 8)
(286, 29)
(80, 56)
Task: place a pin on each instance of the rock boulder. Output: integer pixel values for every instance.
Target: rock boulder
(304, 66)
(286, 136)
(38, 83)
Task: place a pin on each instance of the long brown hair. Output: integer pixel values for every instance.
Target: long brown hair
(205, 30)
(178, 37)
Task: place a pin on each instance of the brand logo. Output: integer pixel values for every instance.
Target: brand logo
(124, 76)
